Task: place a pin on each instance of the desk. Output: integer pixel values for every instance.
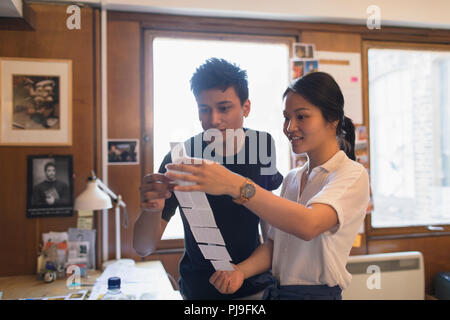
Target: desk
(28, 286)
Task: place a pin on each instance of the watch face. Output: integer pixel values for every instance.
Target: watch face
(248, 191)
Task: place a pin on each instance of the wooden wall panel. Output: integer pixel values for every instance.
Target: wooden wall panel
(19, 236)
(435, 251)
(332, 41)
(125, 91)
(124, 114)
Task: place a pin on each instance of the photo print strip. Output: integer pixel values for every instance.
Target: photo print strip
(222, 265)
(207, 235)
(200, 218)
(212, 252)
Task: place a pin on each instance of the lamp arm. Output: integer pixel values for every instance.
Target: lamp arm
(110, 193)
(117, 199)
(102, 186)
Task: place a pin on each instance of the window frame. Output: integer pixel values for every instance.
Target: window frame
(175, 245)
(407, 231)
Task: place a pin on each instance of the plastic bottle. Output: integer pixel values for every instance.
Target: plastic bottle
(114, 292)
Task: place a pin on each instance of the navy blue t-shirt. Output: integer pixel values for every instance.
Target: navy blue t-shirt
(237, 224)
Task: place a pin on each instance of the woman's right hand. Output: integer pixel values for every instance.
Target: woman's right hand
(155, 189)
(228, 282)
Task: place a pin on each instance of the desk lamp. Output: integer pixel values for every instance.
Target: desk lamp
(97, 196)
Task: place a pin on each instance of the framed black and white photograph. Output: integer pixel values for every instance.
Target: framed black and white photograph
(50, 186)
(35, 102)
(123, 151)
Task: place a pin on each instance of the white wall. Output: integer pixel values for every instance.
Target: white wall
(411, 13)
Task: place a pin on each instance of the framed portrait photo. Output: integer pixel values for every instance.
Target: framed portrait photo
(50, 186)
(36, 102)
(123, 151)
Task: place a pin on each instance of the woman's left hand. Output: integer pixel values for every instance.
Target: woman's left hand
(208, 176)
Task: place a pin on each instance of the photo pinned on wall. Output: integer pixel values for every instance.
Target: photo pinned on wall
(36, 102)
(362, 155)
(123, 151)
(361, 133)
(303, 61)
(311, 66)
(301, 67)
(361, 145)
(297, 68)
(50, 186)
(304, 50)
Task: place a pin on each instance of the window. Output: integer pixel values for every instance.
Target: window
(409, 116)
(174, 107)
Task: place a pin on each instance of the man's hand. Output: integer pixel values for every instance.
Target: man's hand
(155, 189)
(228, 282)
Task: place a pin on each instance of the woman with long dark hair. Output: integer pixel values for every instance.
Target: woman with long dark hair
(322, 204)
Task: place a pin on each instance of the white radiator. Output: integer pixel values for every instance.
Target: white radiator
(386, 276)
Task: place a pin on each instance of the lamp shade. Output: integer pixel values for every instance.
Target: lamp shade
(92, 198)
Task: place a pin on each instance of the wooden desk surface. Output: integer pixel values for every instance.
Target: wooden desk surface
(28, 286)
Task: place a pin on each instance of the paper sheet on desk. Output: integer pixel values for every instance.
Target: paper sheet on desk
(200, 217)
(135, 283)
(127, 274)
(137, 291)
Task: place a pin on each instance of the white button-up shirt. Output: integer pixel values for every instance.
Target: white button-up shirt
(344, 185)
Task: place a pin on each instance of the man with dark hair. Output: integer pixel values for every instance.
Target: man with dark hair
(50, 192)
(220, 74)
(221, 91)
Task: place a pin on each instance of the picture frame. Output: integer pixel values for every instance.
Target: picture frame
(36, 102)
(304, 50)
(78, 252)
(123, 151)
(50, 187)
